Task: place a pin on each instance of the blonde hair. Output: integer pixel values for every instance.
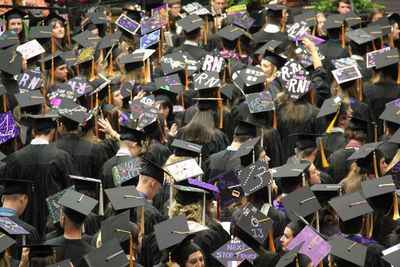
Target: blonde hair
(193, 212)
(352, 182)
(292, 112)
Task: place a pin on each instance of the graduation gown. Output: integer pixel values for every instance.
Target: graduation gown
(195, 51)
(151, 217)
(73, 249)
(48, 168)
(88, 156)
(330, 142)
(389, 150)
(220, 162)
(339, 165)
(109, 147)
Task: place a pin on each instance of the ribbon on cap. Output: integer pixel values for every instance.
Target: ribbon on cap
(330, 127)
(395, 207)
(221, 110)
(4, 103)
(68, 33)
(271, 241)
(359, 89)
(52, 57)
(369, 225)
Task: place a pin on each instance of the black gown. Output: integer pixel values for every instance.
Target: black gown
(73, 249)
(88, 156)
(389, 150)
(339, 165)
(195, 51)
(220, 162)
(151, 217)
(330, 142)
(48, 168)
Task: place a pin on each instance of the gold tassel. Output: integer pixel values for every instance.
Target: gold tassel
(142, 221)
(274, 123)
(169, 260)
(343, 43)
(283, 27)
(271, 241)
(312, 101)
(161, 49)
(109, 94)
(373, 46)
(68, 34)
(321, 264)
(375, 132)
(329, 129)
(359, 89)
(4, 103)
(395, 207)
(92, 75)
(239, 48)
(224, 76)
(130, 251)
(325, 163)
(186, 80)
(206, 31)
(369, 226)
(391, 41)
(375, 165)
(183, 101)
(382, 43)
(297, 261)
(110, 66)
(314, 29)
(52, 58)
(229, 68)
(398, 74)
(221, 111)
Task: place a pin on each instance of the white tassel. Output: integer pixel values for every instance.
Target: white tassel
(101, 201)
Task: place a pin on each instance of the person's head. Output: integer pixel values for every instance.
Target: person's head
(58, 29)
(44, 129)
(188, 254)
(313, 175)
(390, 128)
(41, 256)
(174, 7)
(15, 24)
(290, 232)
(71, 220)
(117, 98)
(335, 261)
(376, 13)
(149, 186)
(17, 202)
(61, 73)
(218, 5)
(133, 147)
(268, 68)
(395, 31)
(193, 36)
(352, 226)
(320, 18)
(343, 6)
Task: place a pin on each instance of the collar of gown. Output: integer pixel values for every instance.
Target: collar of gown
(39, 141)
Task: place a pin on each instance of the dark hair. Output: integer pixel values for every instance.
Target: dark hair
(193, 35)
(201, 128)
(308, 151)
(42, 262)
(241, 138)
(42, 132)
(392, 126)
(343, 1)
(274, 20)
(69, 125)
(352, 226)
(356, 135)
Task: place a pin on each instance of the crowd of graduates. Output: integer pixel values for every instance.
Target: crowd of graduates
(199, 134)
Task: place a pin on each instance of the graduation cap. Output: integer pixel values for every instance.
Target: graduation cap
(245, 148)
(252, 76)
(69, 58)
(118, 227)
(274, 58)
(53, 61)
(64, 263)
(260, 102)
(375, 31)
(289, 256)
(10, 62)
(185, 148)
(150, 39)
(14, 13)
(346, 74)
(301, 202)
(14, 186)
(391, 255)
(295, 79)
(231, 32)
(308, 17)
(31, 98)
(30, 80)
(110, 254)
(291, 174)
(150, 24)
(350, 206)
(255, 177)
(334, 21)
(171, 232)
(187, 195)
(136, 59)
(184, 169)
(230, 189)
(206, 80)
(11, 227)
(306, 140)
(245, 128)
(234, 250)
(172, 63)
(128, 132)
(253, 221)
(387, 58)
(383, 24)
(110, 40)
(8, 127)
(30, 49)
(362, 155)
(358, 124)
(313, 245)
(9, 38)
(190, 23)
(73, 113)
(213, 62)
(360, 36)
(126, 171)
(352, 19)
(40, 32)
(391, 114)
(124, 197)
(271, 46)
(86, 39)
(127, 24)
(153, 170)
(348, 250)
(99, 18)
(43, 122)
(324, 192)
(275, 10)
(53, 16)
(76, 205)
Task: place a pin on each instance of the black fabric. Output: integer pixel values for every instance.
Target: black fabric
(339, 165)
(331, 143)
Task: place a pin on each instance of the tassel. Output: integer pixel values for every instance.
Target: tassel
(312, 101)
(359, 89)
(343, 43)
(274, 123)
(4, 103)
(325, 163)
(161, 49)
(398, 74)
(4, 23)
(395, 207)
(110, 65)
(224, 76)
(130, 251)
(68, 34)
(369, 226)
(78, 70)
(183, 101)
(391, 41)
(375, 166)
(271, 241)
(206, 31)
(109, 94)
(52, 58)
(303, 176)
(229, 68)
(101, 201)
(329, 129)
(382, 43)
(283, 27)
(239, 48)
(142, 221)
(221, 111)
(169, 260)
(373, 46)
(314, 30)
(375, 132)
(92, 75)
(321, 264)
(218, 208)
(297, 261)
(186, 80)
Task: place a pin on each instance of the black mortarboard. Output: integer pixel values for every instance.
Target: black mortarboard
(231, 32)
(136, 59)
(301, 202)
(245, 148)
(394, 18)
(77, 114)
(357, 124)
(99, 18)
(10, 62)
(348, 250)
(392, 256)
(5, 242)
(40, 250)
(53, 16)
(153, 170)
(14, 13)
(43, 122)
(352, 19)
(128, 132)
(64, 263)
(289, 256)
(275, 10)
(31, 98)
(270, 46)
(56, 60)
(374, 30)
(274, 58)
(190, 23)
(206, 80)
(387, 58)
(391, 114)
(364, 151)
(290, 170)
(253, 221)
(187, 195)
(350, 206)
(169, 83)
(172, 63)
(383, 24)
(184, 148)
(171, 232)
(379, 186)
(70, 57)
(324, 192)
(110, 40)
(14, 186)
(40, 32)
(330, 106)
(124, 197)
(86, 39)
(255, 177)
(76, 206)
(110, 254)
(9, 38)
(252, 76)
(230, 189)
(117, 227)
(360, 36)
(306, 140)
(308, 17)
(334, 21)
(245, 128)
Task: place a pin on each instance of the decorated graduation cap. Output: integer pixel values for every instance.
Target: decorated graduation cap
(346, 74)
(294, 77)
(10, 62)
(76, 206)
(191, 23)
(348, 250)
(29, 99)
(8, 127)
(233, 33)
(9, 38)
(234, 250)
(187, 195)
(206, 80)
(229, 186)
(184, 169)
(301, 202)
(350, 206)
(14, 186)
(172, 63)
(251, 80)
(110, 254)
